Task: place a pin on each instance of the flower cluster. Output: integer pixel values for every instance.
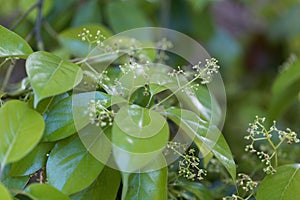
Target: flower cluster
(86, 35)
(206, 73)
(177, 72)
(258, 132)
(99, 114)
(246, 182)
(189, 165)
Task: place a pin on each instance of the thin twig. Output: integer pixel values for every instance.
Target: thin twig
(40, 44)
(8, 75)
(24, 16)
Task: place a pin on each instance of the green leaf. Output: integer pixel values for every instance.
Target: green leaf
(59, 121)
(145, 186)
(13, 182)
(50, 75)
(70, 167)
(70, 40)
(285, 89)
(194, 190)
(34, 161)
(4, 194)
(88, 13)
(204, 135)
(12, 45)
(21, 128)
(283, 185)
(104, 188)
(138, 135)
(122, 21)
(44, 192)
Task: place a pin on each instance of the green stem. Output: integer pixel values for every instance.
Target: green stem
(7, 75)
(173, 93)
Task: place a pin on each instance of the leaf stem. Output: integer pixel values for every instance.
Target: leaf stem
(7, 75)
(173, 93)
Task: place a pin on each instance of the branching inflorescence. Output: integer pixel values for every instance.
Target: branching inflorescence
(189, 166)
(258, 132)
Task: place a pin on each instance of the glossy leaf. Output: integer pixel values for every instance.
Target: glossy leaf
(145, 186)
(13, 182)
(12, 45)
(283, 185)
(204, 135)
(59, 121)
(70, 40)
(138, 135)
(21, 128)
(104, 188)
(70, 167)
(115, 12)
(4, 194)
(193, 190)
(50, 75)
(44, 192)
(285, 89)
(34, 161)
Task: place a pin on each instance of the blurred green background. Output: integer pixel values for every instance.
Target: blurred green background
(254, 40)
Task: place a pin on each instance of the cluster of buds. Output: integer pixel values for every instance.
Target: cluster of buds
(177, 72)
(258, 132)
(99, 114)
(246, 183)
(206, 73)
(189, 166)
(86, 35)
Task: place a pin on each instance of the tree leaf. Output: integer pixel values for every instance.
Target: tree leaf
(44, 192)
(204, 135)
(13, 182)
(4, 194)
(34, 161)
(194, 189)
(59, 121)
(104, 188)
(285, 89)
(12, 45)
(70, 40)
(21, 128)
(145, 186)
(138, 135)
(50, 75)
(70, 167)
(132, 18)
(283, 185)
